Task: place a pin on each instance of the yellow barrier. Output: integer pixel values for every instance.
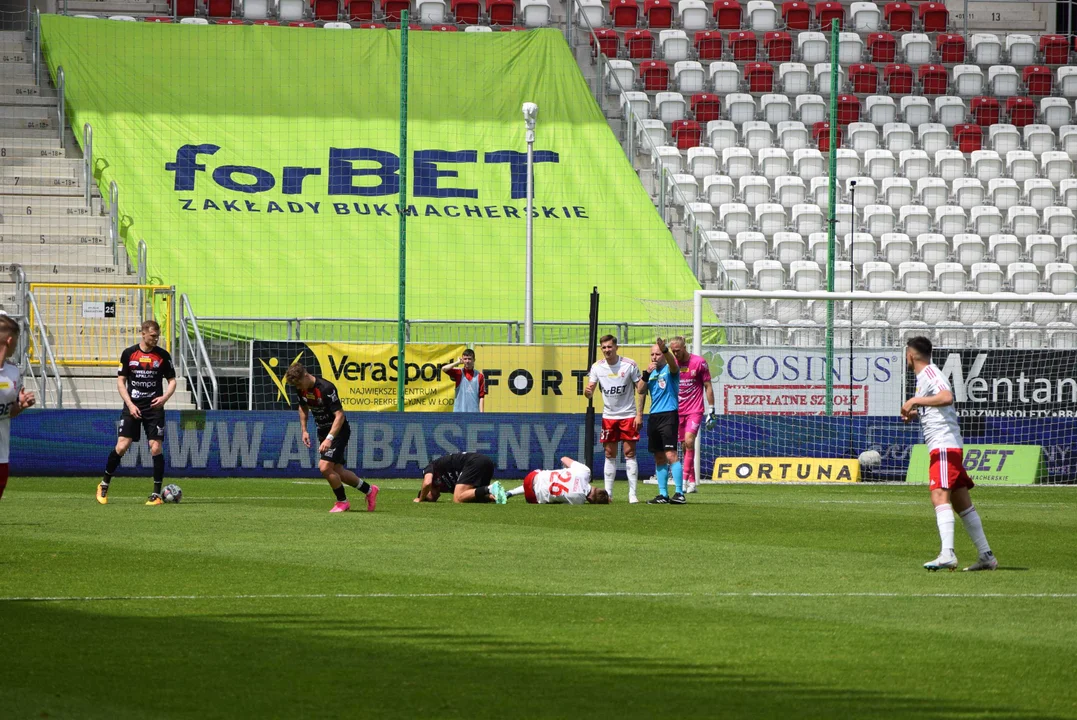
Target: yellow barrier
(791, 470)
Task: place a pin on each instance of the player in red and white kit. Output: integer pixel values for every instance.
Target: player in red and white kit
(950, 484)
(569, 486)
(620, 379)
(13, 397)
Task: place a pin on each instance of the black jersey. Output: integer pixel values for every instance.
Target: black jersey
(323, 401)
(473, 469)
(145, 373)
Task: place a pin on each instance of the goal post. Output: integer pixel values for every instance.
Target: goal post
(817, 374)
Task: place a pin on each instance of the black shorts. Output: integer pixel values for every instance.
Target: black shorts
(662, 431)
(478, 472)
(153, 419)
(338, 449)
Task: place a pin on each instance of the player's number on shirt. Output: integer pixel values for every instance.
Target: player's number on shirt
(557, 489)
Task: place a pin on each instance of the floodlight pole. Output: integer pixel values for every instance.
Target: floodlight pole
(530, 111)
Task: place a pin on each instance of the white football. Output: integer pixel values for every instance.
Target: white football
(870, 459)
(172, 494)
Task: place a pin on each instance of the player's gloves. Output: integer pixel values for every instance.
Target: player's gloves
(712, 419)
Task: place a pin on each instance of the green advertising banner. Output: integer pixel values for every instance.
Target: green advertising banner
(987, 464)
(259, 165)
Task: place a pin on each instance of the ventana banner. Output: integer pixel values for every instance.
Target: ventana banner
(792, 381)
(1009, 383)
(519, 378)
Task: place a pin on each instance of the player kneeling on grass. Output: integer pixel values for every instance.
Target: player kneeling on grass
(950, 484)
(570, 486)
(466, 475)
(320, 397)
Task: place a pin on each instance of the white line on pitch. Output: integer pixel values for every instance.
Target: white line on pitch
(497, 595)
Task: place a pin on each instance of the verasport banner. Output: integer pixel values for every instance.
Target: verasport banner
(1010, 383)
(791, 381)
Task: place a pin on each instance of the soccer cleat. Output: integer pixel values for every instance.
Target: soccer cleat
(987, 561)
(690, 488)
(155, 499)
(945, 561)
(678, 499)
(632, 499)
(102, 495)
(372, 498)
(499, 493)
(342, 506)
(659, 500)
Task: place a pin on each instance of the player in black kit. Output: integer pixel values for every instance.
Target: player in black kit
(466, 475)
(320, 397)
(140, 379)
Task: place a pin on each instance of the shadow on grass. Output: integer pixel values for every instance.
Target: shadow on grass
(333, 662)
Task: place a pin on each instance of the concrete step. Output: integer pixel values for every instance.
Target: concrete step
(63, 254)
(21, 73)
(51, 164)
(26, 190)
(62, 206)
(29, 133)
(29, 225)
(13, 55)
(28, 100)
(11, 146)
(10, 36)
(117, 7)
(52, 239)
(31, 118)
(25, 89)
(30, 182)
(72, 274)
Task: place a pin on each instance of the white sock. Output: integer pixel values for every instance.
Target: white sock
(515, 491)
(632, 469)
(944, 516)
(610, 472)
(971, 519)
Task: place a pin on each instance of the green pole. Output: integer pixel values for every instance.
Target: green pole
(403, 267)
(833, 224)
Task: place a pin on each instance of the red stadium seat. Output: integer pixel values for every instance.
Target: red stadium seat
(882, 48)
(1022, 111)
(969, 138)
(501, 12)
(184, 8)
(1055, 49)
(951, 48)
(743, 45)
(466, 12)
(706, 107)
(778, 46)
(985, 110)
(864, 78)
(167, 19)
(271, 23)
(827, 11)
(797, 15)
(659, 13)
(759, 76)
(609, 42)
(640, 44)
(898, 16)
(445, 28)
(219, 8)
(934, 17)
(898, 79)
(686, 134)
(727, 14)
(933, 80)
(708, 44)
(1038, 80)
(325, 9)
(655, 75)
(625, 13)
(848, 109)
(820, 131)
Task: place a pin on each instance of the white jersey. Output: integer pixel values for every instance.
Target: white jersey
(10, 384)
(940, 426)
(618, 384)
(569, 485)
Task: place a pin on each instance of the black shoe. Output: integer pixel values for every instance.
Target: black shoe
(659, 500)
(678, 499)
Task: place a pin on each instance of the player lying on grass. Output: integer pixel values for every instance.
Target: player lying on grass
(320, 397)
(466, 475)
(933, 404)
(570, 486)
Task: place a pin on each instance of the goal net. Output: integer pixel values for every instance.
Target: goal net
(819, 375)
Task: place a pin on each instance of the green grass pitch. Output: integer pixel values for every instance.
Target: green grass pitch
(249, 600)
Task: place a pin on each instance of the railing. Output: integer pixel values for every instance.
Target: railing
(114, 221)
(143, 260)
(61, 108)
(658, 171)
(21, 286)
(193, 355)
(87, 161)
(37, 47)
(39, 336)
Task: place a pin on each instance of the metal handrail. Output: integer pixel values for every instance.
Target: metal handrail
(20, 286)
(143, 261)
(37, 47)
(633, 121)
(87, 160)
(114, 220)
(189, 326)
(61, 108)
(47, 359)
